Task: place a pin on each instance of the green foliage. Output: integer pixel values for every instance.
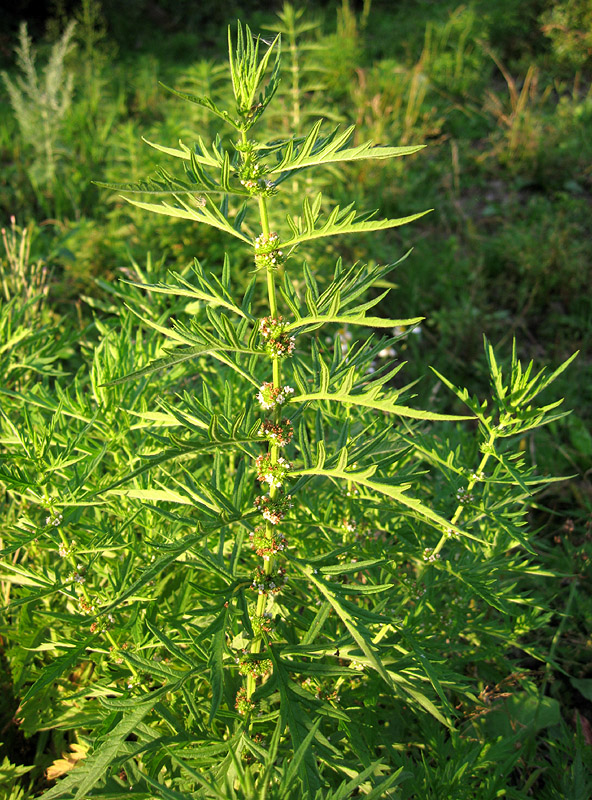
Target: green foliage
(435, 611)
(568, 24)
(240, 559)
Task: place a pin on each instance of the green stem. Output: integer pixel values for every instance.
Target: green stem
(470, 486)
(88, 598)
(268, 564)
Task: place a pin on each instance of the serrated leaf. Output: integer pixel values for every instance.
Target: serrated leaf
(207, 214)
(204, 102)
(313, 149)
(316, 320)
(94, 767)
(298, 725)
(398, 493)
(342, 221)
(59, 665)
(370, 399)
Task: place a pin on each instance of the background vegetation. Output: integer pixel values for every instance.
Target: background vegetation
(501, 95)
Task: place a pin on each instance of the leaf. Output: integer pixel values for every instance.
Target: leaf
(358, 632)
(316, 320)
(363, 640)
(345, 791)
(364, 478)
(178, 356)
(207, 214)
(61, 766)
(298, 724)
(155, 568)
(94, 767)
(57, 668)
(151, 495)
(171, 646)
(341, 221)
(372, 399)
(520, 714)
(204, 102)
(212, 298)
(353, 566)
(25, 577)
(584, 686)
(216, 664)
(304, 751)
(316, 150)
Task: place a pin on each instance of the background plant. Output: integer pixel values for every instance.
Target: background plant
(41, 101)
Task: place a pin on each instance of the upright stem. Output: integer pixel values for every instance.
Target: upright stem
(476, 477)
(268, 563)
(270, 272)
(88, 599)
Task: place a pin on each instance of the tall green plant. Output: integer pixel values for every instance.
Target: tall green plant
(42, 100)
(261, 571)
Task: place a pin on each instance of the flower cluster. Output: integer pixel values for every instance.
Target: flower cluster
(269, 395)
(272, 472)
(102, 625)
(267, 542)
(278, 343)
(65, 550)
(464, 497)
(268, 584)
(255, 668)
(242, 703)
(85, 606)
(78, 575)
(277, 433)
(262, 624)
(252, 176)
(115, 652)
(429, 556)
(274, 509)
(350, 525)
(267, 252)
(54, 519)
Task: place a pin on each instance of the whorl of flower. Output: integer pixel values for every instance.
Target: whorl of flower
(262, 624)
(267, 252)
(277, 433)
(270, 395)
(268, 584)
(115, 652)
(255, 668)
(242, 703)
(103, 624)
(274, 509)
(429, 556)
(464, 496)
(272, 472)
(54, 519)
(85, 606)
(66, 550)
(267, 542)
(350, 525)
(261, 186)
(252, 175)
(78, 575)
(278, 343)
